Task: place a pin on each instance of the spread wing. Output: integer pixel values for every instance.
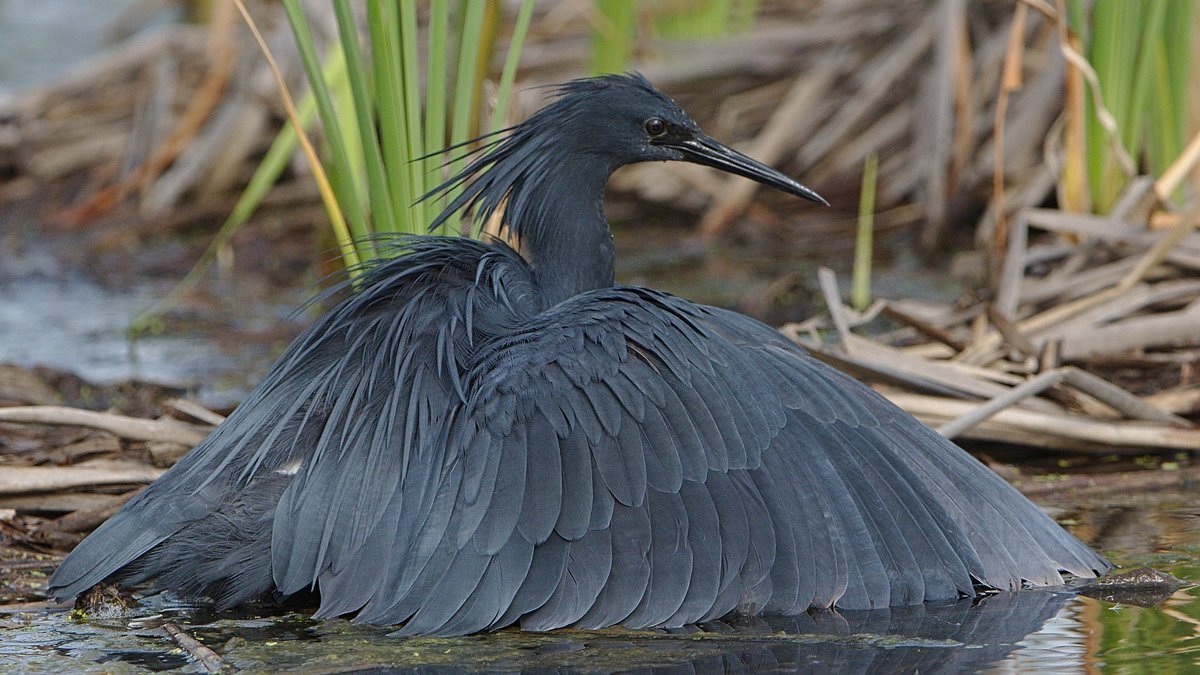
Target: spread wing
(295, 483)
(628, 457)
(623, 457)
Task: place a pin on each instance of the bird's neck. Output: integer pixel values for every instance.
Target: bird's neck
(565, 237)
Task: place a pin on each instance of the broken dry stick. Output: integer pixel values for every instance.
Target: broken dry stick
(207, 658)
(133, 428)
(1106, 392)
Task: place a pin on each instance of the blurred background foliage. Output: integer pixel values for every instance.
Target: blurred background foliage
(974, 111)
(1143, 53)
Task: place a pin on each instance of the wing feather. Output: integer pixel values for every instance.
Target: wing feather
(589, 561)
(732, 525)
(725, 410)
(603, 501)
(541, 581)
(664, 471)
(577, 486)
(504, 508)
(705, 542)
(727, 470)
(465, 461)
(670, 563)
(688, 442)
(542, 504)
(629, 574)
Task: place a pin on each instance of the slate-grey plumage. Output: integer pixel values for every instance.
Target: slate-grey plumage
(477, 437)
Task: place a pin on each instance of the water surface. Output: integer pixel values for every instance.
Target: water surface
(1037, 630)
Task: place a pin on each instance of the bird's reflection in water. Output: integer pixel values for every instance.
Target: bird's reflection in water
(969, 635)
(963, 636)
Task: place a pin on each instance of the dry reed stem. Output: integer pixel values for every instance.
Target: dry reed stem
(1103, 116)
(338, 221)
(1010, 81)
(206, 99)
(1089, 435)
(195, 411)
(1179, 169)
(23, 480)
(133, 428)
(86, 520)
(1109, 394)
(1129, 482)
(1060, 313)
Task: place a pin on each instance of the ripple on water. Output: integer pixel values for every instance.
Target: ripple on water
(1032, 631)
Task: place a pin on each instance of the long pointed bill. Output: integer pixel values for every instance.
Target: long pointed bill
(706, 151)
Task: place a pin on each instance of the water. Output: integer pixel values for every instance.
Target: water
(63, 319)
(1032, 631)
(46, 38)
(81, 327)
(219, 348)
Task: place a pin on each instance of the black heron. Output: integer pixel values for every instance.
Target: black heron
(478, 437)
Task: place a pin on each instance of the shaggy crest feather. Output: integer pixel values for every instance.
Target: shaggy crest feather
(513, 162)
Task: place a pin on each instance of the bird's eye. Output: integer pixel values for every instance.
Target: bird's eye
(656, 127)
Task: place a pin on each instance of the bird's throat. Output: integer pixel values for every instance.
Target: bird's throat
(568, 244)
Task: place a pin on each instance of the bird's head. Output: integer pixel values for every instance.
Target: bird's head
(595, 126)
(625, 120)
